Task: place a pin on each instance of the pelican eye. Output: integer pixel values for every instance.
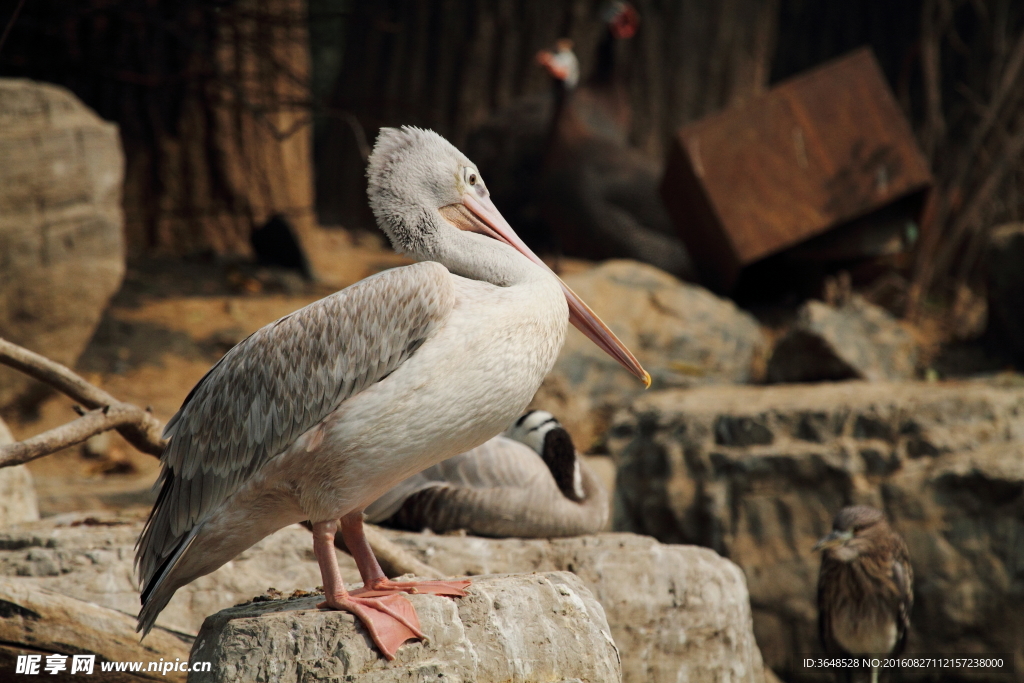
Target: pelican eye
(472, 178)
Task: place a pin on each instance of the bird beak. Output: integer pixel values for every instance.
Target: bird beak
(833, 540)
(478, 214)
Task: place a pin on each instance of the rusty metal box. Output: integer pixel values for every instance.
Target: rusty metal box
(817, 150)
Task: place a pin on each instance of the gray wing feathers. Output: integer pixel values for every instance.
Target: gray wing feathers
(502, 488)
(280, 382)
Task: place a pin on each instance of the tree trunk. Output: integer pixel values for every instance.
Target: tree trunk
(212, 100)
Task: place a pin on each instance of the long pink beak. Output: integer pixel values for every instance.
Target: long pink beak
(586, 321)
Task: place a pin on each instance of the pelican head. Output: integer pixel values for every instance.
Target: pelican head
(432, 202)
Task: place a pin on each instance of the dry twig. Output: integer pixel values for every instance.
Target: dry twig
(139, 427)
(952, 230)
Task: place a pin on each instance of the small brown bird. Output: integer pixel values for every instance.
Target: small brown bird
(865, 586)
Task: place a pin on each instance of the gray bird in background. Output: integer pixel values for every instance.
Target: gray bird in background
(526, 483)
(865, 587)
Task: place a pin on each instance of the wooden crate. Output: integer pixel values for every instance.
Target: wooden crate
(819, 149)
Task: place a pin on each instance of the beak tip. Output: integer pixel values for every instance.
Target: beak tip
(646, 379)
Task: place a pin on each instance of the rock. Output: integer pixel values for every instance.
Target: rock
(61, 223)
(1006, 285)
(38, 621)
(857, 341)
(675, 612)
(18, 501)
(538, 627)
(90, 556)
(681, 333)
(757, 473)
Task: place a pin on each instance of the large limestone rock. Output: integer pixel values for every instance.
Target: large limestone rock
(537, 627)
(61, 223)
(758, 473)
(682, 334)
(674, 611)
(855, 341)
(18, 502)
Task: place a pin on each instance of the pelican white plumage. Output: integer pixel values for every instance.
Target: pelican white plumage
(316, 415)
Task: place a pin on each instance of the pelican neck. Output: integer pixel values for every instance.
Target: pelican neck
(485, 259)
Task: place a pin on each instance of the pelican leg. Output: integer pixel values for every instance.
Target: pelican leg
(375, 583)
(390, 620)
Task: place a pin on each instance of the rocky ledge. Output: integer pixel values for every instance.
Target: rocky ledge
(758, 473)
(676, 612)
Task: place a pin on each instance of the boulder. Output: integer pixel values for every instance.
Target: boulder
(537, 627)
(855, 341)
(18, 501)
(61, 223)
(1006, 285)
(757, 473)
(682, 334)
(674, 611)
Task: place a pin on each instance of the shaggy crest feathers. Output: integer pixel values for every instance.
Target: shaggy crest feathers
(411, 173)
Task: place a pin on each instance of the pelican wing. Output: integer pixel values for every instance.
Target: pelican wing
(275, 385)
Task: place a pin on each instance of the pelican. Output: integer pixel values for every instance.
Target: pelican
(503, 488)
(316, 415)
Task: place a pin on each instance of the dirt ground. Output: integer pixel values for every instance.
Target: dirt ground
(163, 330)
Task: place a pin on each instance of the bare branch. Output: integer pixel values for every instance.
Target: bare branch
(970, 217)
(91, 423)
(932, 25)
(56, 375)
(139, 427)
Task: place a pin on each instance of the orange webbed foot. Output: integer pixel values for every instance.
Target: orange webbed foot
(390, 619)
(455, 589)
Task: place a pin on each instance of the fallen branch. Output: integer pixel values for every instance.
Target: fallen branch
(91, 423)
(139, 427)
